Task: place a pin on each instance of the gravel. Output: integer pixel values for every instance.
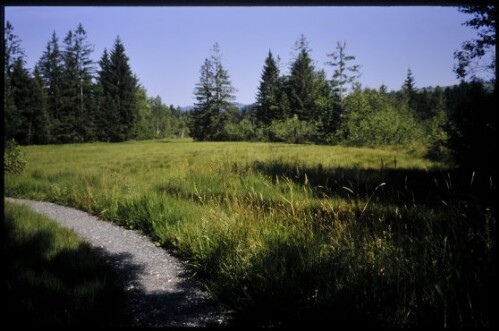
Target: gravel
(159, 291)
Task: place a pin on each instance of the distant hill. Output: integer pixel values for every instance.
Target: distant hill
(190, 107)
(186, 108)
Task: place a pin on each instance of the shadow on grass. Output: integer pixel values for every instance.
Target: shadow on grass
(402, 186)
(87, 286)
(73, 287)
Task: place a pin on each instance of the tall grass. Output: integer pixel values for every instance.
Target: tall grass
(53, 278)
(293, 234)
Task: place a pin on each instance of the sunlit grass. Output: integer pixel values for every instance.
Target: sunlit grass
(290, 234)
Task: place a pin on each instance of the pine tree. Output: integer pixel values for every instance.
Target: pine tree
(343, 74)
(301, 82)
(214, 95)
(268, 107)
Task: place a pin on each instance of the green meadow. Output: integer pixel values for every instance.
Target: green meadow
(294, 234)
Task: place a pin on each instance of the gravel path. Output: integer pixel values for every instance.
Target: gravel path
(157, 286)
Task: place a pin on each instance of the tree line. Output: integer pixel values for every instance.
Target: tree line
(305, 106)
(454, 122)
(67, 98)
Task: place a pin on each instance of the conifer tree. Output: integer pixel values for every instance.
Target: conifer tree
(51, 69)
(214, 95)
(201, 118)
(301, 82)
(12, 51)
(344, 74)
(107, 113)
(76, 118)
(19, 109)
(118, 88)
(267, 98)
(409, 92)
(24, 98)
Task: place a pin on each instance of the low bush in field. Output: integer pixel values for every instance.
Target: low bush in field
(13, 158)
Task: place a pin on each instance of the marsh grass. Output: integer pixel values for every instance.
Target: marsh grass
(295, 234)
(53, 278)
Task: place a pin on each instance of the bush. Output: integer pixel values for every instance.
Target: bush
(291, 130)
(437, 138)
(14, 158)
(242, 131)
(372, 118)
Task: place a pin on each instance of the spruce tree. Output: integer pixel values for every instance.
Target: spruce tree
(19, 108)
(301, 82)
(41, 121)
(12, 49)
(223, 93)
(409, 92)
(201, 118)
(267, 98)
(107, 116)
(12, 53)
(409, 86)
(214, 95)
(23, 106)
(76, 120)
(51, 69)
(118, 87)
(344, 74)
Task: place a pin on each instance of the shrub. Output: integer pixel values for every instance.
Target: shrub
(242, 131)
(14, 158)
(373, 119)
(291, 130)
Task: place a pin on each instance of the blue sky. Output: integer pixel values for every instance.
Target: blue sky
(167, 45)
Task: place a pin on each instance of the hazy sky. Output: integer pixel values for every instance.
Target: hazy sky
(167, 45)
